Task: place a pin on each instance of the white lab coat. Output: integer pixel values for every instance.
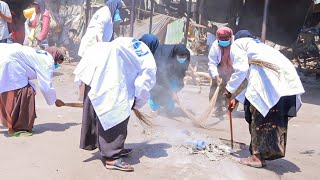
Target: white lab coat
(214, 59)
(100, 27)
(20, 64)
(265, 87)
(117, 72)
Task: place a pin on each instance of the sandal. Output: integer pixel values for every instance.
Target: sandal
(250, 162)
(20, 133)
(125, 152)
(120, 165)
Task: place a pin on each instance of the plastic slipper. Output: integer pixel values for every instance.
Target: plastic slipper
(126, 152)
(120, 165)
(26, 134)
(20, 133)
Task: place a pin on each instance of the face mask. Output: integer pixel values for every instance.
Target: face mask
(117, 17)
(181, 60)
(56, 66)
(224, 43)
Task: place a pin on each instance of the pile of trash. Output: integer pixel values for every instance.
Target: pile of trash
(215, 150)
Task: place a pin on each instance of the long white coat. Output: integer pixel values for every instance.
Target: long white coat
(118, 73)
(100, 28)
(265, 87)
(20, 64)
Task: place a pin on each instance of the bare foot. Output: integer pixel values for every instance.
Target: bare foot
(253, 161)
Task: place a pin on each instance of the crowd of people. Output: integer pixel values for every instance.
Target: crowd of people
(120, 74)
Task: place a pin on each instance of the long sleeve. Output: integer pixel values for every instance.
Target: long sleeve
(240, 66)
(145, 81)
(45, 26)
(42, 63)
(45, 85)
(102, 20)
(213, 61)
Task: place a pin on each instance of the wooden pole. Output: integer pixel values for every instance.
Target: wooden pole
(264, 23)
(188, 22)
(151, 16)
(231, 128)
(201, 11)
(132, 18)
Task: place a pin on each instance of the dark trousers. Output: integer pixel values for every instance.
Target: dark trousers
(4, 41)
(109, 142)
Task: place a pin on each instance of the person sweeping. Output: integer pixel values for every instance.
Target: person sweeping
(117, 80)
(270, 98)
(18, 66)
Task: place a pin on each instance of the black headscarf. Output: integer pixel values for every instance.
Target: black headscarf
(113, 6)
(243, 34)
(168, 68)
(151, 41)
(181, 50)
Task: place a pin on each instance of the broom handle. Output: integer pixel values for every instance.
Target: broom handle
(231, 129)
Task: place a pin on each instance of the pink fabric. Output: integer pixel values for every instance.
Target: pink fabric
(45, 25)
(225, 68)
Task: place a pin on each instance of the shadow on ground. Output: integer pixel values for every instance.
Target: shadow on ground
(140, 150)
(279, 166)
(55, 127)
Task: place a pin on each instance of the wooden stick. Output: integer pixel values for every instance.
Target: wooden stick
(231, 129)
(79, 105)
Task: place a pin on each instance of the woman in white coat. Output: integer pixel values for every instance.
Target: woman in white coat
(18, 66)
(220, 65)
(270, 98)
(118, 76)
(100, 28)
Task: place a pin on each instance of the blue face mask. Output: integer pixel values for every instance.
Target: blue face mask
(224, 43)
(56, 66)
(117, 17)
(181, 60)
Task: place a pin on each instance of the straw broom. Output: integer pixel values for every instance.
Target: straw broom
(205, 116)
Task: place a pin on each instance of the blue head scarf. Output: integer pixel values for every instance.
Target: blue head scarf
(243, 34)
(151, 41)
(113, 6)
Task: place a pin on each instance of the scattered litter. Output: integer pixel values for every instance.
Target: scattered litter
(216, 150)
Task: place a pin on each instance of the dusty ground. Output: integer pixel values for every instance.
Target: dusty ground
(53, 153)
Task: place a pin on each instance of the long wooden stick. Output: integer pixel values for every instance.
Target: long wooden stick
(79, 105)
(231, 129)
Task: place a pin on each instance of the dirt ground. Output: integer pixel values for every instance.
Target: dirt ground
(53, 152)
